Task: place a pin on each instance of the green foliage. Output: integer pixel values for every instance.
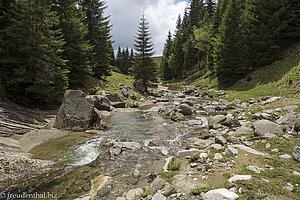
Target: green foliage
(31, 66)
(198, 190)
(168, 175)
(174, 164)
(76, 50)
(144, 68)
(165, 69)
(124, 60)
(98, 35)
(145, 193)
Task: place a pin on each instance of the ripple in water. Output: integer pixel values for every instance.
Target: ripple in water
(87, 152)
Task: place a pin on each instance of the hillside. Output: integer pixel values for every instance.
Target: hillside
(281, 78)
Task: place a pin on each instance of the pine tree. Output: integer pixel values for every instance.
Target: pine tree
(190, 55)
(165, 70)
(177, 57)
(227, 46)
(77, 50)
(196, 13)
(210, 8)
(144, 67)
(98, 35)
(118, 57)
(34, 68)
(265, 21)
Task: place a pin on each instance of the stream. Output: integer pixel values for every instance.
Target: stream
(86, 155)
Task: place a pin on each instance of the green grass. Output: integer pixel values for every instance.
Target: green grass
(281, 78)
(168, 175)
(146, 193)
(198, 190)
(174, 164)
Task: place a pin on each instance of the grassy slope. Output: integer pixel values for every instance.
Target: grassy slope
(282, 78)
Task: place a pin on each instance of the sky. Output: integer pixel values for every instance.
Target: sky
(125, 16)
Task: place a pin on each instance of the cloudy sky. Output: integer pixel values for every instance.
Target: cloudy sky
(160, 14)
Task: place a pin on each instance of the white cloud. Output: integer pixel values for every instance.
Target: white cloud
(160, 14)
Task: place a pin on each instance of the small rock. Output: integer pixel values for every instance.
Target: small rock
(156, 185)
(185, 109)
(265, 180)
(218, 156)
(275, 150)
(134, 193)
(232, 151)
(220, 139)
(285, 156)
(220, 194)
(159, 196)
(193, 165)
(255, 169)
(248, 143)
(288, 188)
(217, 146)
(187, 152)
(239, 178)
(136, 173)
(248, 149)
(296, 173)
(121, 198)
(268, 145)
(203, 155)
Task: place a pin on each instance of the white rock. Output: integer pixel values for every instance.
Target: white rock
(285, 156)
(121, 198)
(239, 178)
(218, 156)
(296, 173)
(203, 155)
(217, 146)
(187, 152)
(193, 165)
(296, 153)
(232, 151)
(220, 194)
(255, 169)
(159, 196)
(132, 194)
(248, 149)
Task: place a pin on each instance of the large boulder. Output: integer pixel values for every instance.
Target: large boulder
(100, 102)
(266, 127)
(124, 92)
(216, 120)
(77, 112)
(289, 121)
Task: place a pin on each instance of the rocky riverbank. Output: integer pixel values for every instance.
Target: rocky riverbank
(185, 144)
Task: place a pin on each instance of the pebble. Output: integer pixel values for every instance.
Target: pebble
(265, 180)
(275, 150)
(285, 156)
(255, 169)
(268, 145)
(203, 155)
(218, 156)
(193, 165)
(296, 173)
(232, 151)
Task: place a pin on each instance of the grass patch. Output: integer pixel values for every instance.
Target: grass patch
(146, 193)
(174, 164)
(168, 175)
(194, 157)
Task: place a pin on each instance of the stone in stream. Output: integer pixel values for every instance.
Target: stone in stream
(185, 109)
(296, 153)
(97, 184)
(118, 105)
(77, 112)
(220, 194)
(266, 128)
(132, 96)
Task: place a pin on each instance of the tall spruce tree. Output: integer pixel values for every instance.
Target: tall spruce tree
(176, 59)
(98, 35)
(32, 49)
(265, 20)
(143, 68)
(76, 50)
(165, 69)
(227, 46)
